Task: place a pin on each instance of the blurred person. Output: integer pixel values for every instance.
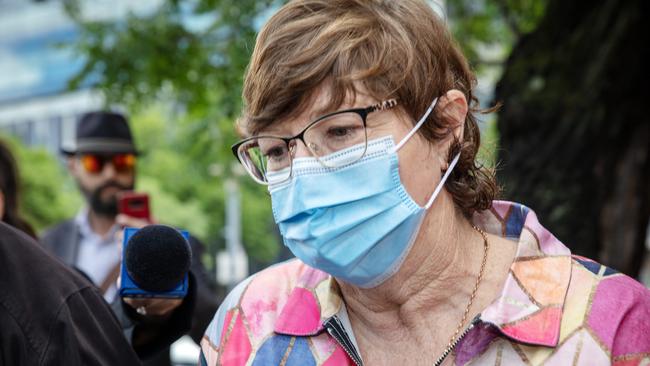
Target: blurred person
(103, 164)
(51, 315)
(360, 118)
(64, 310)
(10, 192)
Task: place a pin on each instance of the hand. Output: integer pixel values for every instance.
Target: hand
(128, 221)
(153, 307)
(150, 307)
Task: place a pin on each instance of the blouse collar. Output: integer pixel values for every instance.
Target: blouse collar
(528, 310)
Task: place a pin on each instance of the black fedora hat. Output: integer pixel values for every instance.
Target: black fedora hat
(103, 132)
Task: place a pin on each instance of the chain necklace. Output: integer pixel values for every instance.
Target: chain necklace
(453, 341)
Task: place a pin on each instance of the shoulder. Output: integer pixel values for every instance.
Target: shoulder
(60, 228)
(614, 308)
(30, 264)
(17, 347)
(256, 304)
(55, 233)
(608, 282)
(265, 292)
(86, 328)
(31, 268)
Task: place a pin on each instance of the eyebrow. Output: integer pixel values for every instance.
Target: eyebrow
(319, 112)
(312, 116)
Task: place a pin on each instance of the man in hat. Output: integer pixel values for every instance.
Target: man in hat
(103, 165)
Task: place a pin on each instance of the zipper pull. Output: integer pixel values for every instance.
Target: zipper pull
(337, 331)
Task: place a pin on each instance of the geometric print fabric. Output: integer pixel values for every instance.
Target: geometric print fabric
(555, 309)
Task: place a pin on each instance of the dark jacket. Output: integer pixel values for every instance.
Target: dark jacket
(63, 241)
(50, 315)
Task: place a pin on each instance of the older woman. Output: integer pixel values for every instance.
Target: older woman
(360, 117)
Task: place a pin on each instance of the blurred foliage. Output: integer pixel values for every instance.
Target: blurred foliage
(183, 189)
(178, 69)
(487, 29)
(489, 143)
(53, 195)
(166, 175)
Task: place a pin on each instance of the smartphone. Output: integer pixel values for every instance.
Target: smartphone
(134, 204)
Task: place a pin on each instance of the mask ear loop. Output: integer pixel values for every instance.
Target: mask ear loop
(451, 165)
(416, 127)
(442, 181)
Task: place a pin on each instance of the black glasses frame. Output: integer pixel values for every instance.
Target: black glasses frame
(362, 112)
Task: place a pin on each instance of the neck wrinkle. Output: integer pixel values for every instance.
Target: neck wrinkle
(437, 277)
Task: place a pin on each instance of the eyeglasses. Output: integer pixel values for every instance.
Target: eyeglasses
(94, 163)
(269, 159)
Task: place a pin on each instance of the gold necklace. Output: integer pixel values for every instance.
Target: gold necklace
(453, 341)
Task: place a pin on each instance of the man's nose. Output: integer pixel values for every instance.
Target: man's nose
(109, 170)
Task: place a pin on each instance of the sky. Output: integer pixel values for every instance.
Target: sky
(32, 60)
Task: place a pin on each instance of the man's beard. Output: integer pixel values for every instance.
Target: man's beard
(107, 208)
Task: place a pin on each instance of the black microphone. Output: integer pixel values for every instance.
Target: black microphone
(155, 262)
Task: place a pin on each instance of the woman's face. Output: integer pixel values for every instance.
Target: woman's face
(420, 161)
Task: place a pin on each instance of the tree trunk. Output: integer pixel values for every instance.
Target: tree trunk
(574, 129)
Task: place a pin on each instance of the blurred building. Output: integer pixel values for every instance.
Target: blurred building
(36, 105)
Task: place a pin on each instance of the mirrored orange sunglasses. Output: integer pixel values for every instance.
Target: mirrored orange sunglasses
(94, 163)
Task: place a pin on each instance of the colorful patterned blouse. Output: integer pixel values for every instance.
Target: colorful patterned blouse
(555, 309)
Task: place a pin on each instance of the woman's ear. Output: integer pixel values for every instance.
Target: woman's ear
(452, 108)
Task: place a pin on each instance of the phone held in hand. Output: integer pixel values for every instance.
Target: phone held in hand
(134, 204)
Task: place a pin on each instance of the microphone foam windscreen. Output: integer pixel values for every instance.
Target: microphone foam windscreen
(157, 257)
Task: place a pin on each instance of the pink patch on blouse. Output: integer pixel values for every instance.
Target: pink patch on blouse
(235, 344)
(338, 358)
(539, 328)
(303, 303)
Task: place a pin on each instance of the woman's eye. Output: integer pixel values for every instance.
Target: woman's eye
(340, 131)
(275, 153)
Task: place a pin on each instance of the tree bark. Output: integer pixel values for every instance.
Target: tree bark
(574, 127)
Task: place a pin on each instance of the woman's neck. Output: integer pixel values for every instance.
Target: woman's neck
(436, 278)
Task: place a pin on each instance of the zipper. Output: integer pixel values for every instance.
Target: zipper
(457, 340)
(337, 331)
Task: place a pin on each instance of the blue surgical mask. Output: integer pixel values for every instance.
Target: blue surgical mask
(356, 222)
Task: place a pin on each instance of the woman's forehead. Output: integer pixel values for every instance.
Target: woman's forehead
(316, 105)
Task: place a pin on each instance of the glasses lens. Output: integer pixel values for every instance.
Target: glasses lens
(267, 159)
(92, 163)
(336, 133)
(124, 162)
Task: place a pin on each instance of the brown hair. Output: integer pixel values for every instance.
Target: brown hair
(392, 49)
(10, 187)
